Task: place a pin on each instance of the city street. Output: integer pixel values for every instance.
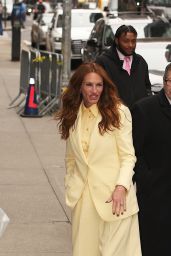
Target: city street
(32, 153)
(31, 173)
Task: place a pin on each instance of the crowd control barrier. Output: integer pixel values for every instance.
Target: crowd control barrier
(24, 79)
(46, 69)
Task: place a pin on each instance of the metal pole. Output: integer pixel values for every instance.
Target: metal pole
(5, 15)
(66, 43)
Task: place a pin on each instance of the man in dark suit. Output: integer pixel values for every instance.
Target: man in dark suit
(152, 140)
(128, 70)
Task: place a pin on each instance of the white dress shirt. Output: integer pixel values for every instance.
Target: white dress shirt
(121, 57)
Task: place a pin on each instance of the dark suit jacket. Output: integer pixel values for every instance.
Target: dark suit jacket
(152, 141)
(131, 88)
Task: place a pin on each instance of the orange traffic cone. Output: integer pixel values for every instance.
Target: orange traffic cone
(31, 106)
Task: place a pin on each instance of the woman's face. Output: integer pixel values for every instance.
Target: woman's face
(91, 89)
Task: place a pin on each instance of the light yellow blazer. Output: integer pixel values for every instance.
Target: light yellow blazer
(110, 162)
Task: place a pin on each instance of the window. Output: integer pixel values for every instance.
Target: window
(80, 20)
(59, 22)
(95, 16)
(158, 28)
(108, 36)
(164, 3)
(127, 6)
(97, 31)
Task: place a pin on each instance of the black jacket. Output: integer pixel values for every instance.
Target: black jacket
(130, 88)
(152, 141)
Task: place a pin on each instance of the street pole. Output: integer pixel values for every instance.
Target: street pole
(16, 32)
(66, 43)
(5, 15)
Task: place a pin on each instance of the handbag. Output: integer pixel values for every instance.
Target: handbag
(4, 220)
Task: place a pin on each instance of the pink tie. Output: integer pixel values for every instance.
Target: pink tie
(127, 64)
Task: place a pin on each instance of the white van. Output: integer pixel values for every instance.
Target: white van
(7, 8)
(82, 22)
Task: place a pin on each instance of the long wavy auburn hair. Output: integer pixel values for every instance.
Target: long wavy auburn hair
(108, 103)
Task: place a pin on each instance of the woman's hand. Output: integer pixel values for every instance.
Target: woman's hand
(118, 199)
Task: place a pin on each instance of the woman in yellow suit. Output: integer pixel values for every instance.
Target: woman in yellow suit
(99, 166)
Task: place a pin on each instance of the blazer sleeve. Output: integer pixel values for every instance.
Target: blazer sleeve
(139, 135)
(147, 82)
(125, 149)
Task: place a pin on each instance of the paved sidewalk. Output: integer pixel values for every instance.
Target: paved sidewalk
(31, 175)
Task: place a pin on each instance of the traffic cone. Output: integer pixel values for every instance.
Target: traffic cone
(31, 106)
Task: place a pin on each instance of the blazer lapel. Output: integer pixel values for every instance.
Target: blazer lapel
(94, 136)
(75, 137)
(165, 106)
(134, 62)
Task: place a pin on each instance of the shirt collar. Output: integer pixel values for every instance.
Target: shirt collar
(121, 56)
(169, 100)
(93, 109)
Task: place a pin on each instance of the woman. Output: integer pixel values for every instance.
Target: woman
(99, 163)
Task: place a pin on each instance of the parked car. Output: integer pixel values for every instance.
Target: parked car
(82, 22)
(156, 79)
(39, 30)
(168, 52)
(153, 37)
(160, 7)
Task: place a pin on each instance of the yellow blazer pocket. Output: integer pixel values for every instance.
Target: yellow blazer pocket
(73, 189)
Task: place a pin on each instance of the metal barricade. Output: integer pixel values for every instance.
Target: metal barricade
(35, 67)
(55, 82)
(24, 78)
(46, 69)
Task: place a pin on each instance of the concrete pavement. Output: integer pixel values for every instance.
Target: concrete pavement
(31, 175)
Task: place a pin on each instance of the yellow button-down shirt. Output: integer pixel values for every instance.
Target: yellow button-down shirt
(88, 121)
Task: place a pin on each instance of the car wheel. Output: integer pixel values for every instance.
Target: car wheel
(33, 44)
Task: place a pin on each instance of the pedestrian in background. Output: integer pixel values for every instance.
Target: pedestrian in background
(39, 9)
(152, 141)
(1, 12)
(100, 159)
(23, 13)
(127, 69)
(18, 13)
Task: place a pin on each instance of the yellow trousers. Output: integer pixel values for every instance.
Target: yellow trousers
(91, 236)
